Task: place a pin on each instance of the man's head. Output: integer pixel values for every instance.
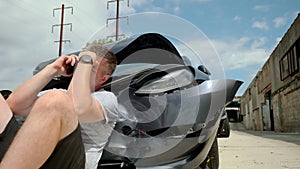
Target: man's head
(103, 52)
(105, 63)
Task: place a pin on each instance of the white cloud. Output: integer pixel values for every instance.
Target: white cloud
(176, 9)
(259, 42)
(262, 8)
(145, 5)
(238, 54)
(237, 18)
(279, 21)
(260, 25)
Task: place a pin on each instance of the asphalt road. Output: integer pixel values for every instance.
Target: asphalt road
(246, 149)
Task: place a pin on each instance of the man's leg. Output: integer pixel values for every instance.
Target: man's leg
(51, 119)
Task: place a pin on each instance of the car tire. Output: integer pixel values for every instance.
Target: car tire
(227, 126)
(224, 129)
(212, 159)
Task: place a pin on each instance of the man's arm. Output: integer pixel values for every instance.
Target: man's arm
(23, 98)
(87, 108)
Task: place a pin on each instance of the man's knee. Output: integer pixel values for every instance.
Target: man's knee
(54, 97)
(56, 106)
(54, 101)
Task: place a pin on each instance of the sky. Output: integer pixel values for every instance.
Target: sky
(238, 35)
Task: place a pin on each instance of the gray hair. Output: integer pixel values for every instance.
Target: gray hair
(102, 51)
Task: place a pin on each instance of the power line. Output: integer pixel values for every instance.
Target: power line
(61, 25)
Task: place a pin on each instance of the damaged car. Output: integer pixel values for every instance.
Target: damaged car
(169, 107)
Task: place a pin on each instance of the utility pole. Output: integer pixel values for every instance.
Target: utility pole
(117, 17)
(61, 25)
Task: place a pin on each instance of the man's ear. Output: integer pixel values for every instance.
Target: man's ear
(105, 78)
(101, 81)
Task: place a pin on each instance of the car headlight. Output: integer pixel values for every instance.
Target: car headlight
(173, 80)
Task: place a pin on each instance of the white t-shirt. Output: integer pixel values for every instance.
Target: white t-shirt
(95, 135)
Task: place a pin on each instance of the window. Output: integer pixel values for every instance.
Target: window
(293, 60)
(289, 63)
(284, 67)
(298, 51)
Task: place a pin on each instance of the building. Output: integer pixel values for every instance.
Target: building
(272, 100)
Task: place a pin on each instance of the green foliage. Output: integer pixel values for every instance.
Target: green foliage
(100, 41)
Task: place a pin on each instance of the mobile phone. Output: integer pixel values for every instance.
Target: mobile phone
(70, 68)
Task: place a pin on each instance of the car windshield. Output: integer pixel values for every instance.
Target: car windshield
(132, 68)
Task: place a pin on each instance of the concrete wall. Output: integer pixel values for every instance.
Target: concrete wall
(274, 94)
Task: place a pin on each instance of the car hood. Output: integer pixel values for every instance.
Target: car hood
(146, 48)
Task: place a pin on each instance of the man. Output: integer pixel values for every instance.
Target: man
(93, 69)
(97, 112)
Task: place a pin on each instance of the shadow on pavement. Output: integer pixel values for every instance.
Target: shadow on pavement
(287, 137)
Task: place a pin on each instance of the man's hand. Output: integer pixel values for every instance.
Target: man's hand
(60, 64)
(24, 97)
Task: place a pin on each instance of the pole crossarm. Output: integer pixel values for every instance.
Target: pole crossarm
(65, 24)
(56, 9)
(122, 17)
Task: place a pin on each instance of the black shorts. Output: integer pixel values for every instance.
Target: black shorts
(7, 136)
(68, 154)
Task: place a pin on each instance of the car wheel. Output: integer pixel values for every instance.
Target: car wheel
(224, 129)
(212, 159)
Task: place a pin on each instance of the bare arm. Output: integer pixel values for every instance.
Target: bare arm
(87, 108)
(23, 98)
